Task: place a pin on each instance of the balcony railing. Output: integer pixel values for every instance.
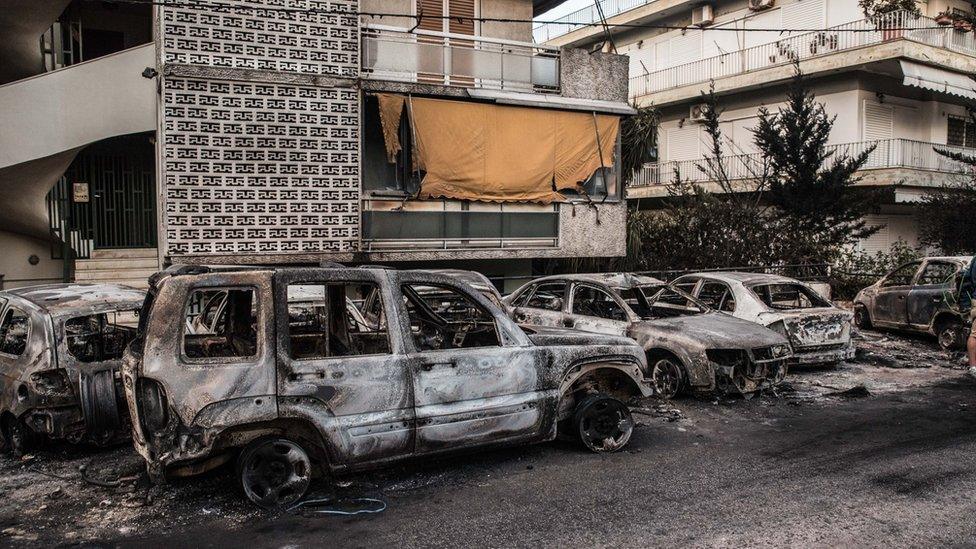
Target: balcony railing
(391, 53)
(583, 16)
(888, 153)
(389, 228)
(864, 32)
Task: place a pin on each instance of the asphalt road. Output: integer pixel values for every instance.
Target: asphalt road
(893, 468)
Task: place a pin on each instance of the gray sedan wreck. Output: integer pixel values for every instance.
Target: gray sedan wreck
(291, 381)
(688, 345)
(60, 350)
(819, 332)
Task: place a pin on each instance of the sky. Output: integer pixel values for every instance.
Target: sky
(568, 7)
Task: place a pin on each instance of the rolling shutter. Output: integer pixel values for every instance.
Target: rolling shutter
(684, 143)
(772, 19)
(805, 14)
(686, 48)
(878, 121)
(432, 11)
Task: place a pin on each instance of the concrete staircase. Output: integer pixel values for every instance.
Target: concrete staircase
(131, 267)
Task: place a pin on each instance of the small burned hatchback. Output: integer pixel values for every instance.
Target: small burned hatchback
(299, 370)
(60, 350)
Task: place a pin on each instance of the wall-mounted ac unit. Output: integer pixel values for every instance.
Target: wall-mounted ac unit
(759, 5)
(698, 112)
(702, 16)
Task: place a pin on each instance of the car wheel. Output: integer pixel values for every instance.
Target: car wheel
(19, 437)
(667, 377)
(603, 423)
(861, 318)
(274, 472)
(950, 336)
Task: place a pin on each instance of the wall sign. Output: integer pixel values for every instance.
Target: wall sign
(79, 192)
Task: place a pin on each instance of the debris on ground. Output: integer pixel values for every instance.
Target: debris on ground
(858, 391)
(664, 411)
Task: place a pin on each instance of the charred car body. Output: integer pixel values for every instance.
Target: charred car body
(819, 332)
(688, 345)
(60, 350)
(290, 380)
(919, 296)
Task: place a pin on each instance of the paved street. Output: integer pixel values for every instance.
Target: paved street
(891, 465)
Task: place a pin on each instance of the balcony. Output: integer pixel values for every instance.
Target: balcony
(582, 17)
(849, 36)
(888, 154)
(424, 57)
(430, 225)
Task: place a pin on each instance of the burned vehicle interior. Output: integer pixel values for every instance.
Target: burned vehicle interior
(336, 319)
(659, 301)
(221, 323)
(13, 332)
(788, 297)
(99, 337)
(442, 318)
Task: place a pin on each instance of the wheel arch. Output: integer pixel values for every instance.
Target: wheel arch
(621, 380)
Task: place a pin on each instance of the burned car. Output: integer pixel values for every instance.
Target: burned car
(818, 331)
(688, 345)
(290, 383)
(919, 296)
(61, 347)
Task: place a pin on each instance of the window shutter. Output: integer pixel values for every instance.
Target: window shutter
(686, 48)
(431, 12)
(461, 8)
(684, 143)
(805, 14)
(878, 121)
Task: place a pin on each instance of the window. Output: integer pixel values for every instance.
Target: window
(523, 298)
(335, 320)
(937, 273)
(13, 332)
(444, 318)
(101, 336)
(718, 296)
(789, 296)
(902, 276)
(549, 296)
(590, 301)
(221, 323)
(667, 301)
(961, 132)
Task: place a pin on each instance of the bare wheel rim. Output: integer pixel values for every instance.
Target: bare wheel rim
(666, 378)
(276, 473)
(605, 425)
(948, 337)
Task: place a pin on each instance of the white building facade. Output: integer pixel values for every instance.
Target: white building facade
(897, 82)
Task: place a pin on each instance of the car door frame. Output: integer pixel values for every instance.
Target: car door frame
(361, 405)
(900, 295)
(460, 400)
(535, 316)
(604, 325)
(922, 295)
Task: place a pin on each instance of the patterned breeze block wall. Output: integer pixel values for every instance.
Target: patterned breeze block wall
(321, 41)
(253, 167)
(260, 168)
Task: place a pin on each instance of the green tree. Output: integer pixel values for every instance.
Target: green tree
(947, 215)
(874, 8)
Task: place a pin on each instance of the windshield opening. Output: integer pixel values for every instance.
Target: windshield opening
(787, 296)
(660, 301)
(100, 336)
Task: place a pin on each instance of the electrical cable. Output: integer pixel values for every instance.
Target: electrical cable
(208, 4)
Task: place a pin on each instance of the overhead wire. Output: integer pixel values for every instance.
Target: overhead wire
(208, 4)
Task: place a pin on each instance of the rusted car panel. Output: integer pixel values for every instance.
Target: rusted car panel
(59, 381)
(383, 388)
(715, 351)
(819, 332)
(918, 296)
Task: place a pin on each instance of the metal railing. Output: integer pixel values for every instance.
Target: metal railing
(864, 32)
(888, 153)
(388, 226)
(391, 53)
(583, 16)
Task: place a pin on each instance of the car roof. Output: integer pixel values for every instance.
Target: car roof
(473, 278)
(614, 280)
(745, 278)
(66, 298)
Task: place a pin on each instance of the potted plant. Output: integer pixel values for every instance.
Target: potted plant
(890, 16)
(944, 18)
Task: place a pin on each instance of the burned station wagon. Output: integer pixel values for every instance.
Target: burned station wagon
(688, 345)
(818, 331)
(60, 350)
(329, 370)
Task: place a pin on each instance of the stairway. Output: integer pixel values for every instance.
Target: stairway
(131, 267)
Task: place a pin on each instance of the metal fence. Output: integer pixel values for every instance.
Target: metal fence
(887, 153)
(390, 53)
(864, 32)
(583, 16)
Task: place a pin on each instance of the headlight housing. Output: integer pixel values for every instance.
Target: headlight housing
(51, 383)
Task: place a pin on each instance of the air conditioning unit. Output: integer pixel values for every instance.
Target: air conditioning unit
(698, 112)
(702, 16)
(759, 5)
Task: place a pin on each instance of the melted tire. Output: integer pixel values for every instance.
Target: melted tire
(603, 423)
(274, 472)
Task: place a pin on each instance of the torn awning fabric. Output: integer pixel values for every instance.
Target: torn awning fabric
(500, 153)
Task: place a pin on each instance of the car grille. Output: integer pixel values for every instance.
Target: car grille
(820, 348)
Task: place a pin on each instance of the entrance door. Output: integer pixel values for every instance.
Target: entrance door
(123, 195)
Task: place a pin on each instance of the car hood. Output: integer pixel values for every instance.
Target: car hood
(712, 330)
(546, 336)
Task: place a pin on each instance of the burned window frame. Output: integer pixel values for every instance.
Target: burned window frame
(911, 280)
(565, 301)
(377, 291)
(920, 278)
(609, 292)
(68, 337)
(762, 291)
(729, 295)
(259, 340)
(3, 332)
(501, 335)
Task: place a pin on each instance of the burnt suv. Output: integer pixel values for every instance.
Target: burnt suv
(328, 370)
(60, 350)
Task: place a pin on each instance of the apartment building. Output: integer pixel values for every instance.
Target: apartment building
(898, 83)
(405, 132)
